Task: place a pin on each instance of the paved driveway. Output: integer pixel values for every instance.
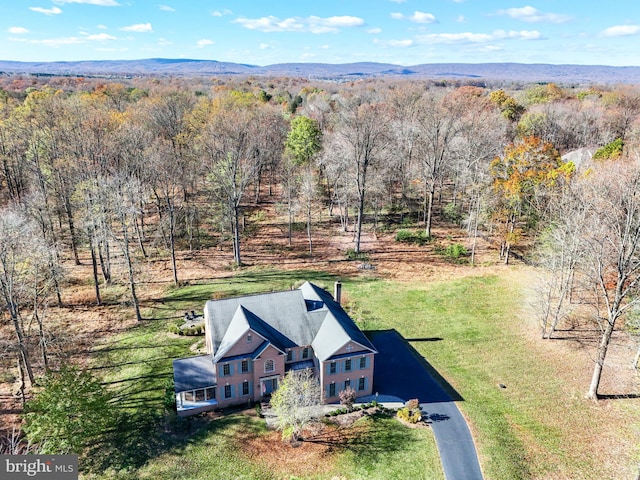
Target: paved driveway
(401, 372)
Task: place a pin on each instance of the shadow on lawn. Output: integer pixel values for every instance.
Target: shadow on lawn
(368, 438)
(138, 438)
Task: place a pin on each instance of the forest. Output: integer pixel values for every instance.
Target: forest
(118, 173)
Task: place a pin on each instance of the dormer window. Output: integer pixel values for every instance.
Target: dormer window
(289, 355)
(305, 352)
(249, 338)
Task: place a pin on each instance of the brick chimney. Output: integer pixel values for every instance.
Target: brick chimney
(337, 291)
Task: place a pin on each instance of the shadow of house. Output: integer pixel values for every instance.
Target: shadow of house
(402, 372)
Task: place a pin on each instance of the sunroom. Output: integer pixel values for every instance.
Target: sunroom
(195, 384)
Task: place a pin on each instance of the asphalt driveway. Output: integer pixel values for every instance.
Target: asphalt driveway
(401, 372)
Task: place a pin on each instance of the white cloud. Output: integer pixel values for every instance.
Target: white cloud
(101, 3)
(102, 27)
(46, 11)
(375, 30)
(398, 1)
(204, 42)
(101, 37)
(469, 37)
(264, 46)
(18, 30)
(58, 42)
(417, 17)
(401, 43)
(163, 42)
(533, 15)
(461, 19)
(521, 34)
(138, 27)
(310, 24)
(221, 13)
(166, 8)
(621, 31)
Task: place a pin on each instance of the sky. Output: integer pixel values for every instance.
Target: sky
(404, 32)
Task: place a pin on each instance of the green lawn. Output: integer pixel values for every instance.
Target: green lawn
(528, 430)
(136, 365)
(481, 347)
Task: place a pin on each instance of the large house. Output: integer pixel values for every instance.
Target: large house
(253, 341)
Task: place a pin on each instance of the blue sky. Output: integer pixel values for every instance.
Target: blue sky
(406, 32)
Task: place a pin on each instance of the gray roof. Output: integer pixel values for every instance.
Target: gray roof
(193, 373)
(305, 316)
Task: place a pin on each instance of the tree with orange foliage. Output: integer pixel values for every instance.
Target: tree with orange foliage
(522, 179)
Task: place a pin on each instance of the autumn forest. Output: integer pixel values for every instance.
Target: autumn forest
(123, 171)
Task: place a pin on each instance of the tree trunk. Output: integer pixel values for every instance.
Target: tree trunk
(602, 353)
(94, 264)
(236, 236)
(172, 240)
(132, 282)
(429, 214)
(359, 221)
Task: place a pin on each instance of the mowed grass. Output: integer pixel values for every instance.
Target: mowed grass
(137, 365)
(532, 428)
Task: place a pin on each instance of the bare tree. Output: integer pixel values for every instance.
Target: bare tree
(361, 137)
(296, 402)
(612, 248)
(439, 124)
(24, 266)
(230, 142)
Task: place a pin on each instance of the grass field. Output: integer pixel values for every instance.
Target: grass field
(137, 363)
(534, 428)
(537, 427)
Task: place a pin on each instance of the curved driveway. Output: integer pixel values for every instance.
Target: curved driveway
(401, 372)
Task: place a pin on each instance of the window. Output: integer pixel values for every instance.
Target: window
(289, 355)
(199, 395)
(347, 384)
(361, 383)
(244, 366)
(188, 396)
(305, 353)
(332, 389)
(249, 338)
(245, 388)
(363, 362)
(227, 391)
(226, 370)
(211, 393)
(347, 365)
(269, 366)
(332, 368)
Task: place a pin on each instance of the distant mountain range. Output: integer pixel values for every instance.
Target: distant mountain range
(519, 72)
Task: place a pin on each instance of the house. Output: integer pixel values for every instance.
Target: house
(253, 341)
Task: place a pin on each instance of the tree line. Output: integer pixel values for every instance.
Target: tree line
(119, 173)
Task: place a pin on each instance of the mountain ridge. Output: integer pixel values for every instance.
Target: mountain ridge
(535, 72)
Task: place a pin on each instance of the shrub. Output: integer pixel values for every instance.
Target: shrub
(456, 250)
(347, 397)
(611, 151)
(351, 254)
(452, 212)
(404, 236)
(408, 236)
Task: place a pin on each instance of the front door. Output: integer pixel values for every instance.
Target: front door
(269, 385)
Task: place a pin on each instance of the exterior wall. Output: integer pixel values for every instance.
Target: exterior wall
(246, 345)
(278, 358)
(342, 374)
(297, 352)
(234, 380)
